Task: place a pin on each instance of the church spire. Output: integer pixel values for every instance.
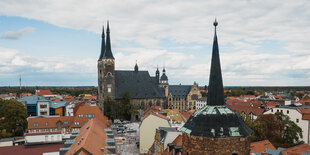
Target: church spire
(215, 89)
(136, 67)
(102, 45)
(108, 52)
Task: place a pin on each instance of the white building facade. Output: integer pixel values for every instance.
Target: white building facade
(295, 116)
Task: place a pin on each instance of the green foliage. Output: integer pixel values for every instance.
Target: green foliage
(119, 110)
(13, 118)
(73, 91)
(277, 128)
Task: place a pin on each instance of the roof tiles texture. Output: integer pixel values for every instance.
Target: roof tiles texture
(261, 146)
(297, 150)
(43, 92)
(92, 138)
(138, 83)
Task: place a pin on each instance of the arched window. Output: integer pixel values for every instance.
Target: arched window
(158, 103)
(142, 105)
(109, 78)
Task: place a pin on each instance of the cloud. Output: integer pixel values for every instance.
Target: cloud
(243, 28)
(17, 34)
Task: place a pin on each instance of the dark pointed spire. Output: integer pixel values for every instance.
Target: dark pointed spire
(136, 67)
(108, 52)
(102, 44)
(215, 89)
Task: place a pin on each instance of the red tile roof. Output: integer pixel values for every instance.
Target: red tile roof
(51, 122)
(297, 150)
(261, 146)
(30, 150)
(155, 114)
(88, 110)
(186, 114)
(43, 92)
(83, 115)
(92, 138)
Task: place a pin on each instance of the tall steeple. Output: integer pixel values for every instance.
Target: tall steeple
(215, 89)
(136, 67)
(102, 45)
(108, 52)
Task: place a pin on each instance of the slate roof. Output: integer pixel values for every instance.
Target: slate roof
(179, 90)
(216, 121)
(57, 104)
(32, 99)
(138, 83)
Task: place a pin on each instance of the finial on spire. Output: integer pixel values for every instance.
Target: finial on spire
(215, 23)
(108, 28)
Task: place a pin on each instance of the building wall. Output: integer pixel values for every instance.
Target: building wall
(197, 145)
(148, 129)
(59, 111)
(6, 143)
(43, 108)
(296, 117)
(32, 109)
(192, 97)
(53, 138)
(200, 104)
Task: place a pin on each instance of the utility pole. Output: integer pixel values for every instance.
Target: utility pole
(20, 82)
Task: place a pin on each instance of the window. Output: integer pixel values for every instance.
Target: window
(297, 120)
(35, 124)
(109, 90)
(281, 111)
(65, 122)
(271, 110)
(277, 110)
(287, 111)
(46, 123)
(76, 123)
(80, 115)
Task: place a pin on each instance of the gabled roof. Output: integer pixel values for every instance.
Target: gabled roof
(261, 146)
(51, 122)
(154, 114)
(138, 83)
(88, 110)
(44, 92)
(92, 138)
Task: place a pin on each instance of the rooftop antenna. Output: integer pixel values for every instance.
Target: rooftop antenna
(20, 82)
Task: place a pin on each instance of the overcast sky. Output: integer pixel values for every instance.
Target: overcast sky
(57, 42)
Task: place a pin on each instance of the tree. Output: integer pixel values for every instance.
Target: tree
(13, 118)
(204, 94)
(121, 109)
(292, 132)
(277, 128)
(126, 107)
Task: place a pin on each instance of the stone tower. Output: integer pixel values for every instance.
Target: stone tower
(164, 82)
(215, 129)
(106, 70)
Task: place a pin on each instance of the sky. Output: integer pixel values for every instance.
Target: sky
(57, 43)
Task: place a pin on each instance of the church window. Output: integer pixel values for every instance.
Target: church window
(158, 103)
(109, 78)
(150, 103)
